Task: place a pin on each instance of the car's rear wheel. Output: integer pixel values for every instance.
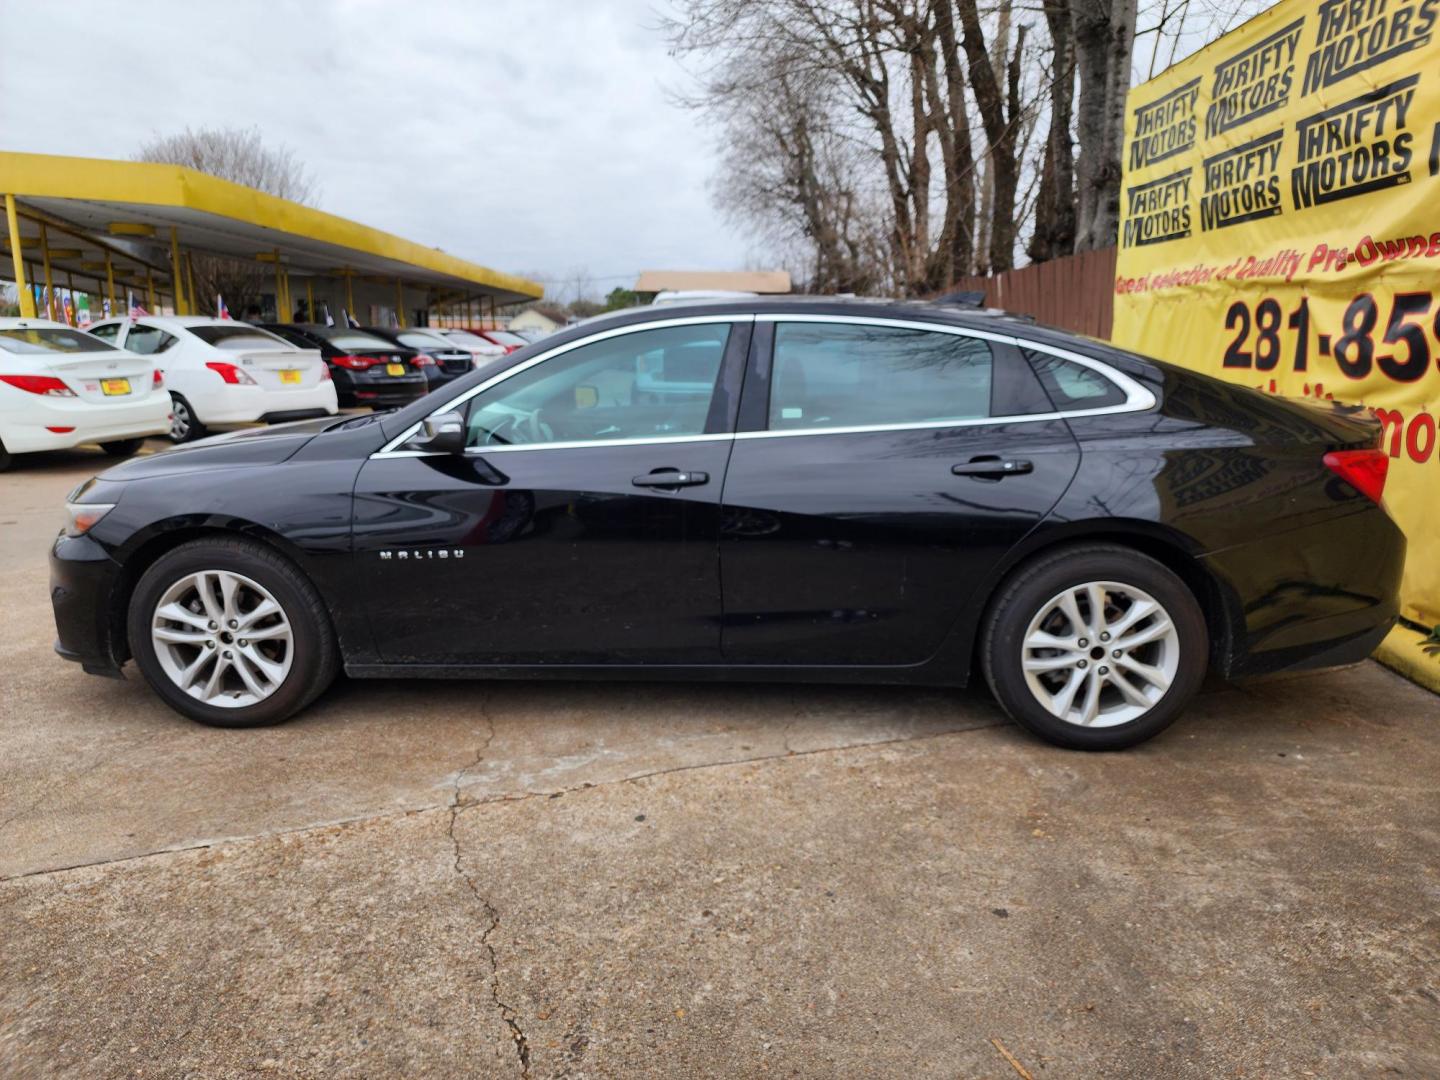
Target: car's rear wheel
(6, 458)
(1095, 647)
(122, 448)
(185, 426)
(231, 634)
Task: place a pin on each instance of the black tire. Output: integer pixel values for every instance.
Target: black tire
(1030, 590)
(6, 458)
(185, 425)
(315, 660)
(122, 448)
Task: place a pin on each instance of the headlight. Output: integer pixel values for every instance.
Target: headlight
(81, 513)
(80, 518)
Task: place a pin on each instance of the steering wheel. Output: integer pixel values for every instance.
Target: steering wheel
(519, 428)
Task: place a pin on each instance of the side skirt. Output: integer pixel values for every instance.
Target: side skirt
(927, 674)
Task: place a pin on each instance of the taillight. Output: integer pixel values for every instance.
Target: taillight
(324, 372)
(355, 363)
(421, 360)
(1364, 470)
(157, 380)
(47, 385)
(230, 373)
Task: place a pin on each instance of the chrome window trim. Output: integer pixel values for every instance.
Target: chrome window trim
(1138, 398)
(389, 449)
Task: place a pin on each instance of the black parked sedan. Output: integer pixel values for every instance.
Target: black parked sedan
(802, 489)
(447, 361)
(367, 370)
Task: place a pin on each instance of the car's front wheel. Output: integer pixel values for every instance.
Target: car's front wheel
(1095, 647)
(231, 634)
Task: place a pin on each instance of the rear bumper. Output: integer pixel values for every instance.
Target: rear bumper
(374, 387)
(83, 579)
(1320, 596)
(28, 431)
(247, 404)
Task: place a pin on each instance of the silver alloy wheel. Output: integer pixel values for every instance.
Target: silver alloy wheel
(179, 419)
(222, 638)
(1100, 654)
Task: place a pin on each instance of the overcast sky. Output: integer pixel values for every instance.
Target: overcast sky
(527, 135)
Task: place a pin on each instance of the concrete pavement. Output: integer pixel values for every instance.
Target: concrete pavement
(641, 880)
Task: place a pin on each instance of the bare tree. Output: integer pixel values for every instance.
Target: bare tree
(1104, 39)
(850, 127)
(238, 155)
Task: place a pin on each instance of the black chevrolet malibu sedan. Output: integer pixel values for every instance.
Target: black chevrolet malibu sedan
(366, 370)
(776, 489)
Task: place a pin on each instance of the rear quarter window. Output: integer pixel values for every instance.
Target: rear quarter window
(1073, 386)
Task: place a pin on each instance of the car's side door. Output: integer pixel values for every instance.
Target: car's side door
(581, 523)
(881, 469)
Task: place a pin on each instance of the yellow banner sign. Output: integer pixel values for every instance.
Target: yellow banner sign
(1280, 227)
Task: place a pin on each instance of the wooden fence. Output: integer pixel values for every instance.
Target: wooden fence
(1073, 293)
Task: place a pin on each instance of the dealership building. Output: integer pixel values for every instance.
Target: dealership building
(123, 231)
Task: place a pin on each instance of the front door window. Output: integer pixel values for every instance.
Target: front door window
(649, 384)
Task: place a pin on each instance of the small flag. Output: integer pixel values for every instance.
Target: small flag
(136, 308)
(105, 307)
(351, 321)
(221, 311)
(329, 319)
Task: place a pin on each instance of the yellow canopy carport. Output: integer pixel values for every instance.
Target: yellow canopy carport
(128, 225)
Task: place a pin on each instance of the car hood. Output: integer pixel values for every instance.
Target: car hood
(250, 446)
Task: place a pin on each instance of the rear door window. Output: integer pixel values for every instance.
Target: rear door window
(829, 375)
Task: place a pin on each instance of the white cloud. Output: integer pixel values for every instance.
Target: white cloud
(522, 134)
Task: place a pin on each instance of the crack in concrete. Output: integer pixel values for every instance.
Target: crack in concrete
(507, 1013)
(505, 798)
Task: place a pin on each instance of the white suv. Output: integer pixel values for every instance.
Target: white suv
(223, 373)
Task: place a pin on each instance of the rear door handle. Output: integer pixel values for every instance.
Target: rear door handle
(671, 478)
(993, 468)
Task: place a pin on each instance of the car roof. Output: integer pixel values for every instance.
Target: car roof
(879, 307)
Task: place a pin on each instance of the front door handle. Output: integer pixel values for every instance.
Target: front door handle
(992, 468)
(671, 478)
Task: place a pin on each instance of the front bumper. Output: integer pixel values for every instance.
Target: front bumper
(83, 581)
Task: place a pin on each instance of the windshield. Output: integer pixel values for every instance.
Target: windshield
(238, 338)
(505, 337)
(51, 339)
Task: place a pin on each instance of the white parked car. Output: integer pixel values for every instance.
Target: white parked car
(484, 351)
(60, 387)
(222, 373)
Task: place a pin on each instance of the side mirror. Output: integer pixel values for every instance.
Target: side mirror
(442, 433)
